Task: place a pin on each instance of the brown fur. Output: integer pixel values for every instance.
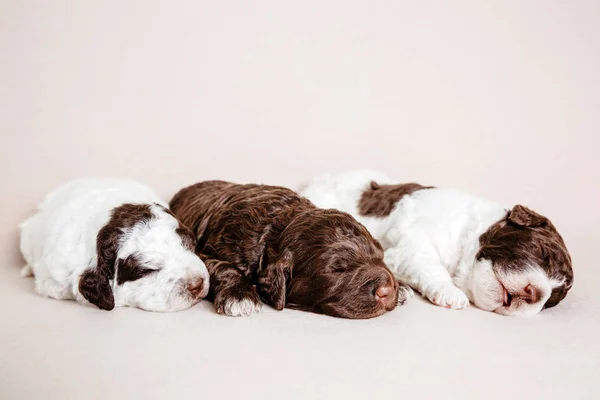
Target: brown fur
(266, 242)
(380, 200)
(525, 237)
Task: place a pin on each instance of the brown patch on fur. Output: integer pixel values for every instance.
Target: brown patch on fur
(94, 284)
(525, 238)
(380, 200)
(130, 269)
(267, 242)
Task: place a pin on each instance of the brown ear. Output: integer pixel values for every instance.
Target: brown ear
(523, 216)
(374, 185)
(96, 289)
(272, 281)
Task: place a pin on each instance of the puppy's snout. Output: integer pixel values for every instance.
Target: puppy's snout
(385, 294)
(196, 288)
(530, 294)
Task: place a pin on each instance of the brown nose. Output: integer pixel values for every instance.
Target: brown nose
(195, 287)
(530, 294)
(384, 294)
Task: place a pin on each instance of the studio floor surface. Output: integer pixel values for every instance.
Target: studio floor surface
(62, 350)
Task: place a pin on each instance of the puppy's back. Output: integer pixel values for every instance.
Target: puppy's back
(108, 190)
(209, 208)
(209, 198)
(192, 203)
(342, 191)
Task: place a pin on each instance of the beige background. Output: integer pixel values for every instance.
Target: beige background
(500, 98)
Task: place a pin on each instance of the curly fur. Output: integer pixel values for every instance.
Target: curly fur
(453, 247)
(266, 242)
(112, 243)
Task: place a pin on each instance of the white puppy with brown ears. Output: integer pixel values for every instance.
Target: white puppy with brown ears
(453, 247)
(111, 243)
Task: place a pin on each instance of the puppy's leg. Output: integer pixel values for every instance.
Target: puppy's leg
(419, 266)
(232, 292)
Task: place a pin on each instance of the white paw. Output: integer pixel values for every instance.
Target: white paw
(447, 295)
(242, 308)
(405, 292)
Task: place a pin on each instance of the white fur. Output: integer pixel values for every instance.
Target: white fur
(242, 308)
(59, 244)
(431, 239)
(404, 294)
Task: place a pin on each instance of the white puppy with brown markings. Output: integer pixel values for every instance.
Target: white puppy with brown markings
(453, 247)
(110, 243)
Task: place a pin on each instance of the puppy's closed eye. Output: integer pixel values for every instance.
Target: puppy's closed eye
(131, 269)
(339, 267)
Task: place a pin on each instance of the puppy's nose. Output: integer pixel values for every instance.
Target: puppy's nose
(196, 287)
(530, 294)
(384, 294)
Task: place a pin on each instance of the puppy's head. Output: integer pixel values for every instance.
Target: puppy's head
(146, 259)
(328, 264)
(522, 266)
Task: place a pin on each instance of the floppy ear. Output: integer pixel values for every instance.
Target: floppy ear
(94, 283)
(272, 280)
(523, 216)
(96, 289)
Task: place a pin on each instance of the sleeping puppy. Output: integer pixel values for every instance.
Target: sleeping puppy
(112, 243)
(453, 247)
(266, 242)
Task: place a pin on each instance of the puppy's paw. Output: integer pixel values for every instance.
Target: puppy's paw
(238, 302)
(447, 295)
(241, 308)
(405, 292)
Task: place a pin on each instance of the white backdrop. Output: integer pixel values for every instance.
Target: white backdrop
(500, 98)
